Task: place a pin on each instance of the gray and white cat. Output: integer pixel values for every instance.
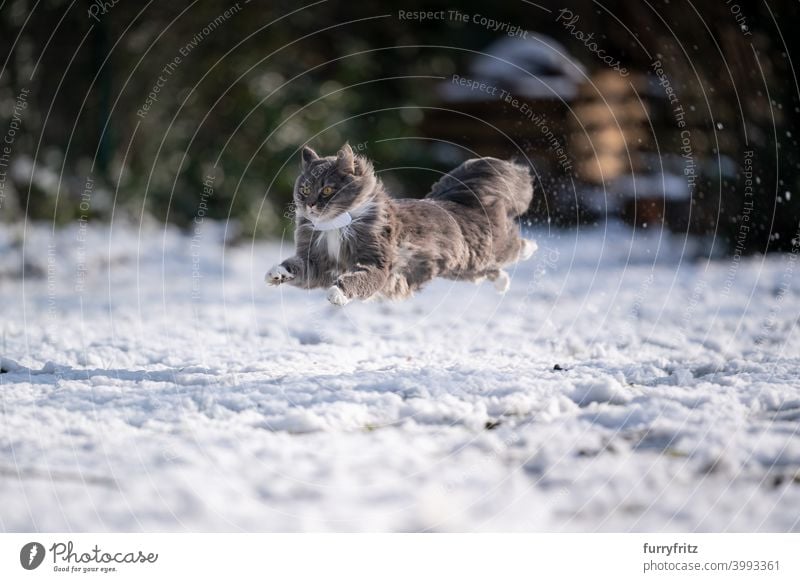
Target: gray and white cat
(352, 238)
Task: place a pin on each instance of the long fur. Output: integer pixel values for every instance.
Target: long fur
(463, 229)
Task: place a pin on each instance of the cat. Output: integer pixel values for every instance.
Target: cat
(355, 240)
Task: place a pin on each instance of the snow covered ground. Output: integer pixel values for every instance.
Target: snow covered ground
(131, 402)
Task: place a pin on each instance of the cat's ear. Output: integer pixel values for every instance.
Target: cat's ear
(346, 160)
(307, 156)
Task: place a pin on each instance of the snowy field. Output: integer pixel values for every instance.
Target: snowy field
(620, 385)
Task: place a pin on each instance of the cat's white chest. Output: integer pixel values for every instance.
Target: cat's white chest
(332, 239)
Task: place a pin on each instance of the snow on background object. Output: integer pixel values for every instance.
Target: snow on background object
(135, 405)
(536, 66)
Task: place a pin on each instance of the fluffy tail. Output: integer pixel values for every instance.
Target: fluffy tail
(487, 182)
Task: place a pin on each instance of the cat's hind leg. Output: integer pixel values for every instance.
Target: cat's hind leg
(500, 279)
(526, 249)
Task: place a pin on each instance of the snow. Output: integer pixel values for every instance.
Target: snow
(536, 66)
(132, 404)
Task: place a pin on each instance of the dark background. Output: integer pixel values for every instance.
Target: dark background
(274, 75)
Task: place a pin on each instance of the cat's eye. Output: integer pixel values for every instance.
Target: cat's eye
(327, 191)
(305, 190)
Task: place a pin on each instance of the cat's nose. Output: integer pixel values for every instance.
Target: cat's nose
(311, 205)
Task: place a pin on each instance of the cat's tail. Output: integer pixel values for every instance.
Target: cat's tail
(487, 182)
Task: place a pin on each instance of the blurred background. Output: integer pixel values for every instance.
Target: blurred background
(665, 112)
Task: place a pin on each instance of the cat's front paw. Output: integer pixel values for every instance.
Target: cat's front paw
(277, 275)
(337, 296)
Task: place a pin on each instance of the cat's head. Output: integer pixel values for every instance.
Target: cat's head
(329, 186)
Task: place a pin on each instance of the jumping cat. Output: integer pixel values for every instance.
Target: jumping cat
(355, 240)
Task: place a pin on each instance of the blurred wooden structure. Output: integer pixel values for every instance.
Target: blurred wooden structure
(602, 144)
